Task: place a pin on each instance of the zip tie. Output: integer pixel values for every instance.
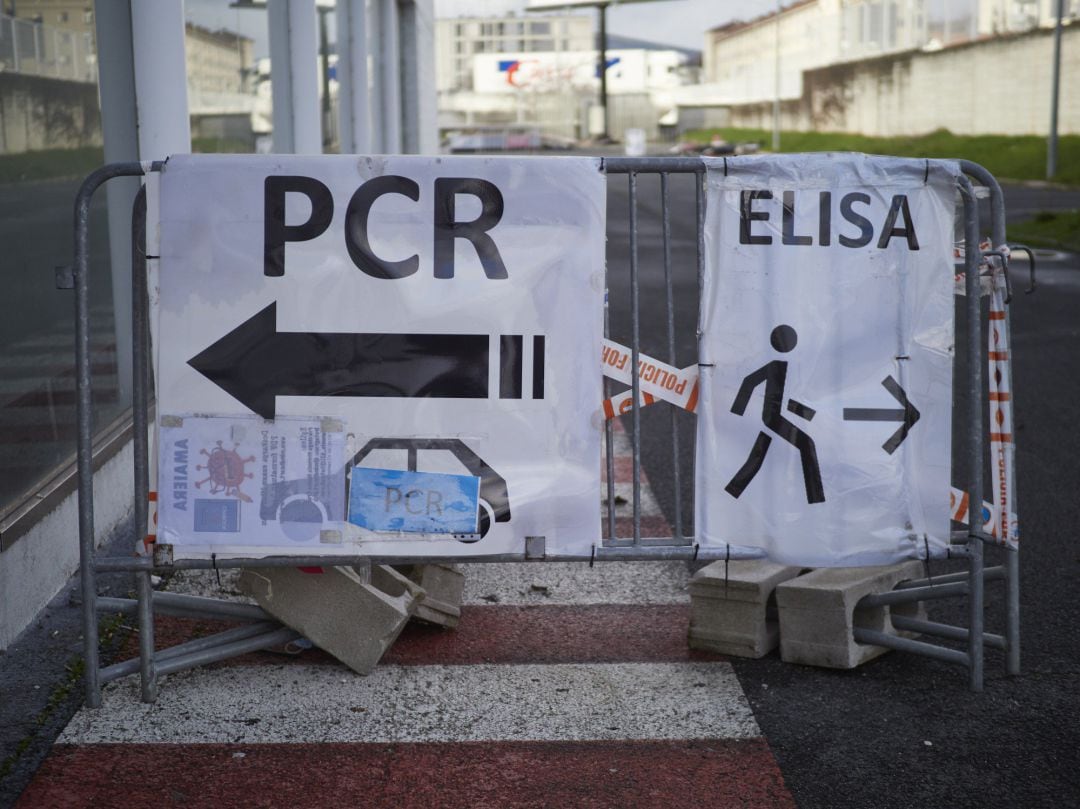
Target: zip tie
(213, 561)
(592, 557)
(725, 167)
(926, 560)
(926, 174)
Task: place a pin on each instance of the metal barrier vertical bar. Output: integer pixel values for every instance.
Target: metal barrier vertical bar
(700, 178)
(85, 439)
(609, 431)
(973, 289)
(676, 453)
(140, 328)
(1012, 558)
(635, 343)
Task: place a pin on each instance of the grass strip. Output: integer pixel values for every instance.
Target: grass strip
(1059, 230)
(1021, 157)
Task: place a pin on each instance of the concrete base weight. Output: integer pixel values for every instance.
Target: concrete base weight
(817, 613)
(442, 587)
(354, 620)
(732, 608)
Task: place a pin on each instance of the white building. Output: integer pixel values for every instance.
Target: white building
(458, 39)
(741, 59)
(887, 67)
(541, 74)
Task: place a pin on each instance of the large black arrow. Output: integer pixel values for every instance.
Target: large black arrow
(908, 415)
(255, 363)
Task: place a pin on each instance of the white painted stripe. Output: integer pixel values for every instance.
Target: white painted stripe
(575, 583)
(312, 704)
(518, 583)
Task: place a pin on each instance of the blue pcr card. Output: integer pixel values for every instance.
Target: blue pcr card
(413, 502)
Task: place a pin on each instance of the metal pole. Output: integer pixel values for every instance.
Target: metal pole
(1012, 557)
(354, 95)
(140, 340)
(160, 79)
(776, 88)
(120, 131)
(635, 374)
(389, 77)
(1052, 143)
(294, 76)
(972, 257)
(601, 67)
(85, 439)
(676, 455)
(324, 54)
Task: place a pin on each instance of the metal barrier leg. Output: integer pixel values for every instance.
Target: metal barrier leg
(635, 348)
(85, 442)
(975, 431)
(1012, 557)
(676, 453)
(140, 418)
(147, 670)
(1012, 612)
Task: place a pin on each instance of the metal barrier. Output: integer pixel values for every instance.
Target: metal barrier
(265, 632)
(34, 49)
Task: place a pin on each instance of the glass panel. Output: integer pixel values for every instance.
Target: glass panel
(42, 162)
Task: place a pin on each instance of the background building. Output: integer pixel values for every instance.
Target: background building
(887, 67)
(221, 83)
(540, 74)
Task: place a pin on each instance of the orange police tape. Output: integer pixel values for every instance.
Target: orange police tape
(657, 381)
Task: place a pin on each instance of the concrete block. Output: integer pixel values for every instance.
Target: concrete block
(817, 613)
(345, 616)
(443, 586)
(732, 607)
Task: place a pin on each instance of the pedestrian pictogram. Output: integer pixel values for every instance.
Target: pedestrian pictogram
(774, 376)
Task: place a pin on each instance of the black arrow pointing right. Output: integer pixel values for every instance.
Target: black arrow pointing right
(908, 415)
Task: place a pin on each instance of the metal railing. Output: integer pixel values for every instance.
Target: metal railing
(673, 256)
(35, 49)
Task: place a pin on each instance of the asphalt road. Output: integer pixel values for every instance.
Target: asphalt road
(904, 731)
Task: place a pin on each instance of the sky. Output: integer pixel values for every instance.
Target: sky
(670, 22)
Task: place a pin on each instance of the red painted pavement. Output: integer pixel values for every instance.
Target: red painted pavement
(604, 633)
(570, 775)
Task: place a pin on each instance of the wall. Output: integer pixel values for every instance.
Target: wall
(999, 86)
(42, 561)
(40, 113)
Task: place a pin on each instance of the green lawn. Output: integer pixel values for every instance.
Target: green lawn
(1007, 157)
(51, 163)
(1056, 229)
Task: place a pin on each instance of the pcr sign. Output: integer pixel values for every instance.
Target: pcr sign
(826, 358)
(387, 356)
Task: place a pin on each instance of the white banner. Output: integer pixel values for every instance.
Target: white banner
(412, 315)
(824, 430)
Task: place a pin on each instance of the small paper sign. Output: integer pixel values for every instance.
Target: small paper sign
(413, 502)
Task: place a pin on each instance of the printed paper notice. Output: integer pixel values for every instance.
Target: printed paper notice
(227, 481)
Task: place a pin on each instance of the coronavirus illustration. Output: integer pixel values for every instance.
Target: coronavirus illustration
(225, 471)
